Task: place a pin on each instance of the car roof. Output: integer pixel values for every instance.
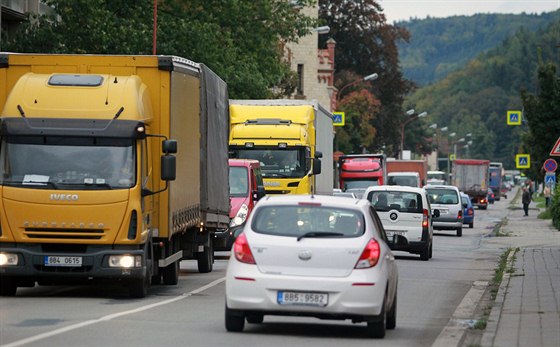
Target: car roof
(395, 188)
(325, 200)
(440, 186)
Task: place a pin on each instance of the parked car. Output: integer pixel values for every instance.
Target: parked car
(468, 210)
(490, 197)
(312, 255)
(447, 200)
(246, 187)
(405, 211)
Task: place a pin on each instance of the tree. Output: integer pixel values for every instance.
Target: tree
(239, 40)
(360, 108)
(541, 111)
(367, 44)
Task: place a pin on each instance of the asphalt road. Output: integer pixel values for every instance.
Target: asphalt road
(192, 313)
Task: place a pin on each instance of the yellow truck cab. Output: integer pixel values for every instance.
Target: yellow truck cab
(289, 138)
(107, 169)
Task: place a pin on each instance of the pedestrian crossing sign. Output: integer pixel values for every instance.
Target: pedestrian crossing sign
(338, 119)
(550, 179)
(523, 161)
(514, 117)
(452, 157)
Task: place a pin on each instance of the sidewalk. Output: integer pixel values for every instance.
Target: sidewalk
(526, 311)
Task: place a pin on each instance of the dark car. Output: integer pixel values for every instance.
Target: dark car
(490, 196)
(468, 210)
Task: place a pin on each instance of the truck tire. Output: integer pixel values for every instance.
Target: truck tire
(171, 274)
(8, 286)
(138, 287)
(459, 232)
(205, 259)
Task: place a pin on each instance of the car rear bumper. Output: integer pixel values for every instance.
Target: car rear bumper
(448, 225)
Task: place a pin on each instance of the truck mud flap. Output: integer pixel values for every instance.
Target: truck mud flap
(171, 259)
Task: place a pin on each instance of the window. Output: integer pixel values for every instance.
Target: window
(299, 89)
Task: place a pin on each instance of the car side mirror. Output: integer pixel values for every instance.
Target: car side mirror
(435, 213)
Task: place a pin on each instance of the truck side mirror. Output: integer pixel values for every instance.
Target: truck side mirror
(259, 193)
(316, 166)
(318, 154)
(168, 167)
(169, 146)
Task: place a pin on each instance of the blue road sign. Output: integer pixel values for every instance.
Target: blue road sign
(550, 179)
(550, 165)
(514, 117)
(523, 161)
(338, 119)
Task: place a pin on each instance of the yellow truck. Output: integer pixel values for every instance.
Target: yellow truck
(113, 168)
(289, 138)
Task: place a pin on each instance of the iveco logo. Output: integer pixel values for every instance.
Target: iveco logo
(394, 216)
(64, 197)
(305, 255)
(272, 184)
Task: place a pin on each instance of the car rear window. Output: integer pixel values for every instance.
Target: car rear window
(384, 201)
(465, 200)
(298, 220)
(443, 196)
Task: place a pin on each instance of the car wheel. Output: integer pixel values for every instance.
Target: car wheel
(392, 314)
(8, 286)
(431, 250)
(460, 232)
(255, 318)
(425, 254)
(471, 225)
(235, 321)
(377, 328)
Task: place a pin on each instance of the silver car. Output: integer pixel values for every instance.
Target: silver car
(446, 199)
(317, 256)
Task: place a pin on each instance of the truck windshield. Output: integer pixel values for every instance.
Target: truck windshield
(67, 163)
(281, 163)
(354, 184)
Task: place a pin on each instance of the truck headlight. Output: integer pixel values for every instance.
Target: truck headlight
(240, 217)
(8, 259)
(125, 261)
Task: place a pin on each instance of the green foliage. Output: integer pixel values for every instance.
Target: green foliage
(439, 46)
(476, 98)
(555, 207)
(239, 40)
(360, 107)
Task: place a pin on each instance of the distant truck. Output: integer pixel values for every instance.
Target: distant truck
(471, 177)
(289, 138)
(495, 173)
(357, 172)
(113, 168)
(418, 166)
(437, 177)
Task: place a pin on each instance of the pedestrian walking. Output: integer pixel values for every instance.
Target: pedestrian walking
(546, 193)
(526, 200)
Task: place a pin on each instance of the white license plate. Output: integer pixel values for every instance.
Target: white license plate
(396, 232)
(303, 298)
(63, 261)
(443, 211)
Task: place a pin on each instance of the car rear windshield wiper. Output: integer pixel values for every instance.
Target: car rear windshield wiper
(319, 234)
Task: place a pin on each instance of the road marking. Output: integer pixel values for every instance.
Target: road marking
(111, 316)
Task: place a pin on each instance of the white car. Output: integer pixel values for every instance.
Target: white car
(405, 211)
(317, 256)
(446, 199)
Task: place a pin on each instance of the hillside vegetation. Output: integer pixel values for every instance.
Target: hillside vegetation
(439, 46)
(475, 99)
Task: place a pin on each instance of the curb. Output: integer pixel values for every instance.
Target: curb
(496, 312)
(462, 319)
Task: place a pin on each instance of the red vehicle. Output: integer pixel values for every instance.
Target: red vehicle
(360, 171)
(245, 189)
(471, 177)
(419, 166)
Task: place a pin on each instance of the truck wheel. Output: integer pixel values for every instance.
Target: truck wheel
(171, 274)
(206, 259)
(460, 232)
(138, 288)
(8, 286)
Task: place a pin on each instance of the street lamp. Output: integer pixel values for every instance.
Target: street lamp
(370, 77)
(462, 139)
(409, 112)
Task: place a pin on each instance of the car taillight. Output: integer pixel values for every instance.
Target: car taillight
(460, 215)
(470, 211)
(425, 219)
(242, 251)
(482, 201)
(370, 255)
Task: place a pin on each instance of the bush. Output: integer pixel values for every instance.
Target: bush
(555, 207)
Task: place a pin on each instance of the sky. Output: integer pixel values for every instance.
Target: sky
(396, 10)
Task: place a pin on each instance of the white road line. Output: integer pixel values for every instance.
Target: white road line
(111, 316)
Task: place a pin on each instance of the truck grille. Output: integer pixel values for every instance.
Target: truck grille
(67, 234)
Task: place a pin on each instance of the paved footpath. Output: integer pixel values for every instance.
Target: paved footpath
(526, 311)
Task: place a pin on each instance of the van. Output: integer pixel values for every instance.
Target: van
(246, 187)
(409, 179)
(447, 200)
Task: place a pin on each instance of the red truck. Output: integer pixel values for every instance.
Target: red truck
(357, 172)
(419, 166)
